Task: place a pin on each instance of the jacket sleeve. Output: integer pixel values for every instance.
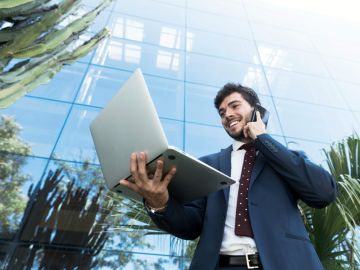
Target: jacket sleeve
(313, 185)
(181, 220)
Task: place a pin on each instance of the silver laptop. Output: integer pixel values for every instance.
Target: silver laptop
(129, 123)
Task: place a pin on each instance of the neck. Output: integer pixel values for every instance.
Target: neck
(245, 140)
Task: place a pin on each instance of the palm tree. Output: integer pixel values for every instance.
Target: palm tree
(333, 229)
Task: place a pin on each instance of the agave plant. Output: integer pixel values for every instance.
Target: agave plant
(333, 229)
(38, 37)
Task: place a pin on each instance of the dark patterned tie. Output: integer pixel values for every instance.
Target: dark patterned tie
(242, 222)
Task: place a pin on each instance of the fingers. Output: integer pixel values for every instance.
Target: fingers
(145, 185)
(169, 176)
(258, 117)
(130, 185)
(159, 170)
(253, 129)
(141, 165)
(134, 166)
(246, 130)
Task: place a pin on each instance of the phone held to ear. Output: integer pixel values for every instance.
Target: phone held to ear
(265, 114)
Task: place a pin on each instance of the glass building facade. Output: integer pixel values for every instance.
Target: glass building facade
(304, 65)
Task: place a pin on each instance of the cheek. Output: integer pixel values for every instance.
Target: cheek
(246, 114)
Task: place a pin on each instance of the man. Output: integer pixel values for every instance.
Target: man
(255, 223)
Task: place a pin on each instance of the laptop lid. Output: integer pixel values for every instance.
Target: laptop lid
(128, 123)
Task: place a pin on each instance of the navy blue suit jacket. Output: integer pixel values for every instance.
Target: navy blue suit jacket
(280, 178)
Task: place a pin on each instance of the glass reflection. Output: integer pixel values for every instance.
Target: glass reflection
(130, 53)
(292, 60)
(57, 224)
(64, 85)
(190, 36)
(75, 142)
(167, 60)
(224, 25)
(60, 228)
(13, 152)
(304, 88)
(351, 93)
(222, 46)
(41, 120)
(100, 85)
(128, 28)
(170, 37)
(313, 150)
(147, 31)
(333, 124)
(273, 57)
(213, 71)
(253, 74)
(68, 218)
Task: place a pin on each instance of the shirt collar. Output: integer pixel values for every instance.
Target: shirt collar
(236, 145)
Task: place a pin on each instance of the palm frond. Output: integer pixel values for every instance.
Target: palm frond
(332, 229)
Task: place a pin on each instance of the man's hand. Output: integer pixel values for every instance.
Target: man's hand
(152, 188)
(253, 129)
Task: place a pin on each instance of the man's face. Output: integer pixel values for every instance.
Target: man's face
(235, 112)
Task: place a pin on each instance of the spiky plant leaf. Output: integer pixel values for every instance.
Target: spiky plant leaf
(13, 3)
(43, 41)
(41, 70)
(332, 229)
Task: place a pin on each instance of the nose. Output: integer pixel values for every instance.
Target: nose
(228, 113)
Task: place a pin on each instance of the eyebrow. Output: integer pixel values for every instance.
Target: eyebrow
(229, 104)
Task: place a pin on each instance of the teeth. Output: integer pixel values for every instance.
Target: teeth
(233, 123)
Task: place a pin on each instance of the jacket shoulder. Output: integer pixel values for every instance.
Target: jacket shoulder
(210, 157)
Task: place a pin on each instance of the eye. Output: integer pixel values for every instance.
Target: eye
(221, 113)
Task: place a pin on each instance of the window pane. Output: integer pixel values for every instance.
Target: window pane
(41, 121)
(214, 71)
(203, 140)
(129, 55)
(152, 10)
(147, 31)
(292, 60)
(313, 150)
(65, 85)
(316, 123)
(100, 85)
(223, 25)
(305, 88)
(75, 142)
(222, 46)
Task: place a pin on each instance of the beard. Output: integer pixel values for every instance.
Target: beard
(238, 136)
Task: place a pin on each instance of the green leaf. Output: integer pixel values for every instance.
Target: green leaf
(13, 3)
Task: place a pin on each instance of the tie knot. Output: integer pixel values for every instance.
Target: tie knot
(247, 147)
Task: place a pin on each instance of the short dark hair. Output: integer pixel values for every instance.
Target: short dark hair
(247, 93)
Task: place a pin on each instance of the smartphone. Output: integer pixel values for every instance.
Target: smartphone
(265, 114)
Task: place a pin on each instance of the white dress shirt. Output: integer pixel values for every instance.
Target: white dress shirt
(231, 243)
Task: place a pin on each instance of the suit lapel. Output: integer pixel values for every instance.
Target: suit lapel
(225, 167)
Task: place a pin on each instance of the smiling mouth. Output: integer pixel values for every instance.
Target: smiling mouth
(233, 123)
